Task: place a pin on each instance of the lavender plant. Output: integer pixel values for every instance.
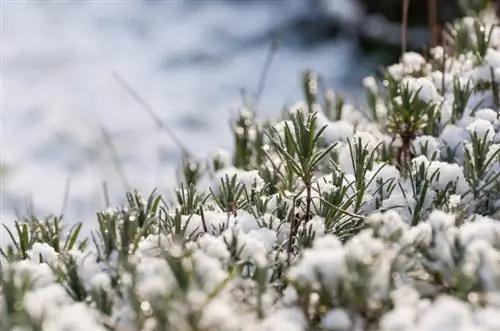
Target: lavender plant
(328, 218)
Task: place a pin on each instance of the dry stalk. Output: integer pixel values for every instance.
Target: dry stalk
(404, 32)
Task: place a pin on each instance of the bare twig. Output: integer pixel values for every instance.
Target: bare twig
(116, 160)
(404, 32)
(147, 107)
(433, 22)
(264, 73)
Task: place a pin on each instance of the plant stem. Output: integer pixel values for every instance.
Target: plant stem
(293, 221)
(404, 32)
(203, 221)
(308, 201)
(433, 23)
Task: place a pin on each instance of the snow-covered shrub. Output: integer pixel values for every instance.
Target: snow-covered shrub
(325, 219)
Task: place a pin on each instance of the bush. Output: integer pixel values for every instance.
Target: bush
(330, 219)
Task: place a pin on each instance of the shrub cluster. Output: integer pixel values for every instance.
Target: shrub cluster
(328, 218)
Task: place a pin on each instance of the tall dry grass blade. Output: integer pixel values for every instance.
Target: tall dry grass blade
(147, 107)
(116, 160)
(263, 75)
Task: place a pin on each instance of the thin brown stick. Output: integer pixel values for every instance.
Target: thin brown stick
(433, 22)
(404, 32)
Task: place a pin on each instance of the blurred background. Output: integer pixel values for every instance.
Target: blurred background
(189, 59)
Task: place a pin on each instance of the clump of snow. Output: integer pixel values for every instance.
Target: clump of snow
(336, 319)
(424, 87)
(427, 145)
(249, 179)
(482, 128)
(487, 114)
(338, 131)
(43, 252)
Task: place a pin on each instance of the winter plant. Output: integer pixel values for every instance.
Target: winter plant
(328, 218)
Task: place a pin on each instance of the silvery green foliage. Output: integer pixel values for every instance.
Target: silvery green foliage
(324, 219)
